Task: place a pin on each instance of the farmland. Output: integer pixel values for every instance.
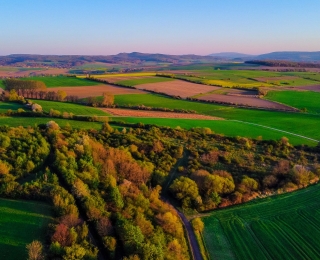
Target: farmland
(178, 88)
(278, 227)
(155, 114)
(145, 80)
(250, 78)
(245, 101)
(5, 106)
(93, 91)
(306, 100)
(224, 127)
(76, 109)
(63, 81)
(21, 222)
(303, 124)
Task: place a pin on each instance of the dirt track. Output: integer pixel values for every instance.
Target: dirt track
(178, 88)
(156, 114)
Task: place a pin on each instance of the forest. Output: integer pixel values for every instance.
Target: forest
(112, 190)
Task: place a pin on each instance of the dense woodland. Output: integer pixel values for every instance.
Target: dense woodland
(109, 190)
(285, 63)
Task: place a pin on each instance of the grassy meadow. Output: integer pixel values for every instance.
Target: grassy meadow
(279, 227)
(5, 106)
(63, 81)
(225, 127)
(76, 109)
(305, 100)
(298, 123)
(21, 222)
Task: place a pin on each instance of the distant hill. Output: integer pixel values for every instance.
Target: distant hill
(232, 55)
(291, 56)
(68, 61)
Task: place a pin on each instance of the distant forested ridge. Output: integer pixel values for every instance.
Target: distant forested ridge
(285, 63)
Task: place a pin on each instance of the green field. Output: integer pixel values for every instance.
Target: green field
(1, 84)
(298, 123)
(76, 109)
(279, 227)
(134, 82)
(225, 127)
(34, 121)
(5, 106)
(21, 222)
(63, 81)
(299, 99)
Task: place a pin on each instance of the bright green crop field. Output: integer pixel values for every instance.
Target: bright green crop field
(76, 109)
(225, 127)
(279, 227)
(21, 222)
(308, 100)
(134, 82)
(298, 123)
(5, 106)
(63, 81)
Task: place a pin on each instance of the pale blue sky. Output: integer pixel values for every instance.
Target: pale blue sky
(158, 26)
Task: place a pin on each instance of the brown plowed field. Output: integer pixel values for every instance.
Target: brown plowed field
(178, 88)
(157, 114)
(245, 101)
(94, 91)
(312, 88)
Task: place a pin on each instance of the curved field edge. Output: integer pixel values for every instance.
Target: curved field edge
(297, 123)
(64, 81)
(225, 127)
(274, 224)
(304, 100)
(21, 222)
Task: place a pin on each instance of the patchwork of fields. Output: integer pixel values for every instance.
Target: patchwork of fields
(21, 222)
(280, 227)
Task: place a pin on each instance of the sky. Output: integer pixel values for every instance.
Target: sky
(104, 27)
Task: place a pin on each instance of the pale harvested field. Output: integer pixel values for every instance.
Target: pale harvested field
(312, 88)
(94, 91)
(178, 88)
(156, 114)
(250, 101)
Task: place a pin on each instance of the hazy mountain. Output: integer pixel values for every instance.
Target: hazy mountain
(291, 56)
(232, 55)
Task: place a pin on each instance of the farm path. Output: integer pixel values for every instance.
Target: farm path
(191, 237)
(193, 243)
